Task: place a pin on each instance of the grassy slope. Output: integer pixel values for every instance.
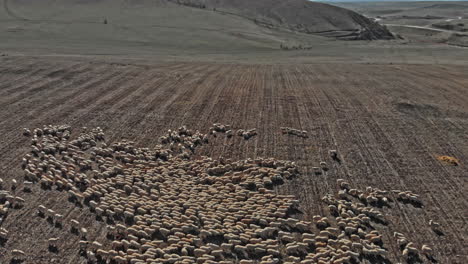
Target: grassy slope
(154, 31)
(140, 26)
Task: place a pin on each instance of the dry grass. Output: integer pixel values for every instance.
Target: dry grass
(449, 160)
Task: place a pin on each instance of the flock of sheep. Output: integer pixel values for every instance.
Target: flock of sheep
(354, 209)
(166, 205)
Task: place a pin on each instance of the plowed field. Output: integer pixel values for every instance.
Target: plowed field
(389, 123)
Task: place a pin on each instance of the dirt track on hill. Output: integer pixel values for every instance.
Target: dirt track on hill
(388, 123)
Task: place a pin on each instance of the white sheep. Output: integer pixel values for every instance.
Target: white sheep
(18, 254)
(3, 234)
(58, 219)
(41, 210)
(75, 225)
(26, 132)
(14, 184)
(27, 186)
(84, 232)
(426, 250)
(434, 225)
(53, 242)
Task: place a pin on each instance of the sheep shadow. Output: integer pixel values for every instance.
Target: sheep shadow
(45, 186)
(110, 221)
(416, 204)
(53, 249)
(377, 259)
(74, 201)
(50, 220)
(439, 232)
(110, 236)
(74, 231)
(337, 159)
(432, 259)
(379, 221)
(16, 261)
(379, 204)
(100, 260)
(293, 212)
(3, 242)
(414, 259)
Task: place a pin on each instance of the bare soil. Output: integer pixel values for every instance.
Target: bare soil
(389, 124)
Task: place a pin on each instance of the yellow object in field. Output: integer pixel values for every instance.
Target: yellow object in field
(449, 160)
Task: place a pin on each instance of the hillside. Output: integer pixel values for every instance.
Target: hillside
(156, 27)
(301, 16)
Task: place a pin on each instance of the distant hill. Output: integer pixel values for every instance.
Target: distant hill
(299, 15)
(172, 28)
(448, 9)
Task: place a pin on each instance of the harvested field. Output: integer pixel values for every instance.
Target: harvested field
(388, 123)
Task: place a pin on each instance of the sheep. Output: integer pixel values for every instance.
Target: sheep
(3, 234)
(410, 250)
(95, 245)
(120, 260)
(83, 245)
(333, 154)
(170, 197)
(99, 211)
(18, 202)
(322, 223)
(18, 255)
(26, 132)
(241, 250)
(104, 255)
(434, 226)
(14, 184)
(53, 243)
(316, 170)
(27, 186)
(344, 185)
(84, 233)
(58, 218)
(426, 250)
(41, 210)
(91, 256)
(323, 165)
(50, 214)
(75, 225)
